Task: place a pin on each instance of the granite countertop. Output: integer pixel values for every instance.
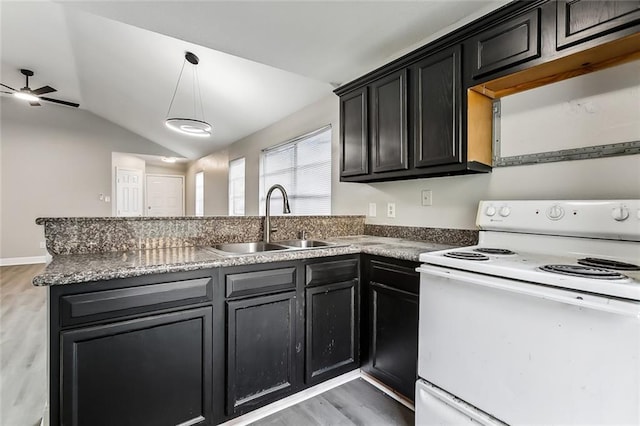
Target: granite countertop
(80, 268)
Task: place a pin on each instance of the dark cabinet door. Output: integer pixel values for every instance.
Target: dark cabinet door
(332, 330)
(392, 355)
(506, 44)
(389, 142)
(582, 20)
(354, 134)
(261, 349)
(436, 93)
(155, 370)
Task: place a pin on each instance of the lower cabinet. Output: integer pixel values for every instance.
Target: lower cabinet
(332, 330)
(261, 350)
(391, 332)
(148, 371)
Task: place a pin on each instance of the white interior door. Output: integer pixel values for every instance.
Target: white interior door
(165, 195)
(129, 192)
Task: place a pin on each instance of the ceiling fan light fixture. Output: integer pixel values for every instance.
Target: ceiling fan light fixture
(25, 96)
(189, 126)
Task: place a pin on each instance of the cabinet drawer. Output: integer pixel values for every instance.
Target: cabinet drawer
(98, 305)
(395, 276)
(258, 282)
(507, 44)
(331, 272)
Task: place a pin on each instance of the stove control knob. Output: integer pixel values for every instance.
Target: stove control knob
(620, 213)
(555, 212)
(505, 211)
(490, 211)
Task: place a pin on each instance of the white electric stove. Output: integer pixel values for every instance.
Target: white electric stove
(537, 324)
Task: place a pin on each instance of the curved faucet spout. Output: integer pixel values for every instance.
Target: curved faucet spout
(267, 218)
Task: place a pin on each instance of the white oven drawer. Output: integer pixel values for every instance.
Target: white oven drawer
(530, 354)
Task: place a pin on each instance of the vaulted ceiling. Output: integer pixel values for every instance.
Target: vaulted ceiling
(260, 61)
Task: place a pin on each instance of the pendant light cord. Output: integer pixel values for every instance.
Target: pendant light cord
(176, 89)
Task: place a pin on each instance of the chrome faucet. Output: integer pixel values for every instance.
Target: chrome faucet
(267, 217)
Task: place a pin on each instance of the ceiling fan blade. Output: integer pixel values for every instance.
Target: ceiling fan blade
(8, 93)
(43, 90)
(34, 104)
(8, 87)
(57, 101)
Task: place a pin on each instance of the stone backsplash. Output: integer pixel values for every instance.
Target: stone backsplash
(458, 237)
(84, 235)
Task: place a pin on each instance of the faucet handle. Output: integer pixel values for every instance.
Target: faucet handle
(302, 235)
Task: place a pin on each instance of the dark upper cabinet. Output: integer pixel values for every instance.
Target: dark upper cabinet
(147, 371)
(582, 20)
(389, 123)
(437, 86)
(390, 329)
(506, 44)
(354, 134)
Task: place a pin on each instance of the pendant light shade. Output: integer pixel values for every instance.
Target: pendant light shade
(195, 126)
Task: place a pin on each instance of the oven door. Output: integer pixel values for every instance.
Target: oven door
(529, 354)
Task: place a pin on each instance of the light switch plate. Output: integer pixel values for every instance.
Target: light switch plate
(391, 209)
(427, 197)
(372, 209)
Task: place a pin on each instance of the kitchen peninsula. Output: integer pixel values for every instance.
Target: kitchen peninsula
(148, 323)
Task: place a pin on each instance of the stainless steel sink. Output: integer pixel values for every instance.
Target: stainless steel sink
(305, 243)
(248, 248)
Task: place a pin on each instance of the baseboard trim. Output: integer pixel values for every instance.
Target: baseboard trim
(386, 389)
(294, 399)
(11, 261)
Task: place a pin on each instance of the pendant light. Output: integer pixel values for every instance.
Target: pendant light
(189, 126)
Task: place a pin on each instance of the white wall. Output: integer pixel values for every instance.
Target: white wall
(216, 184)
(455, 198)
(55, 162)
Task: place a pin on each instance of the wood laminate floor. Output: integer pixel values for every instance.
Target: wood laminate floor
(23, 346)
(354, 403)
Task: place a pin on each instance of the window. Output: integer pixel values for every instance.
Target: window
(236, 187)
(200, 194)
(303, 167)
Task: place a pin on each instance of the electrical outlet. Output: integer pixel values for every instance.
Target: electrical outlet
(372, 209)
(427, 197)
(43, 245)
(391, 209)
(107, 199)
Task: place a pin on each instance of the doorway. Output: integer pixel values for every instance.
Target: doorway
(129, 192)
(164, 195)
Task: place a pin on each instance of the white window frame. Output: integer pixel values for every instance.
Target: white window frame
(293, 192)
(199, 193)
(235, 210)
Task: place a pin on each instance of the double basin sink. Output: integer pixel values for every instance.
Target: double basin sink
(260, 246)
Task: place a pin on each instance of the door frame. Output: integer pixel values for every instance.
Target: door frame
(146, 201)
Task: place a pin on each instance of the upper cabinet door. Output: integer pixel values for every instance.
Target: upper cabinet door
(582, 20)
(389, 123)
(354, 135)
(436, 93)
(507, 44)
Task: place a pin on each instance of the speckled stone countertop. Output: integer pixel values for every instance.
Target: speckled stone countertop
(81, 268)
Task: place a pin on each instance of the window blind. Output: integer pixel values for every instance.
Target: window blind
(236, 187)
(303, 167)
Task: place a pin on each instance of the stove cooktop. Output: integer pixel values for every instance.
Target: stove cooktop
(566, 271)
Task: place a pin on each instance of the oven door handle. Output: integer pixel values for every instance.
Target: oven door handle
(613, 306)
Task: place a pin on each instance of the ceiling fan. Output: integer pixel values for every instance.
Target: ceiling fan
(34, 96)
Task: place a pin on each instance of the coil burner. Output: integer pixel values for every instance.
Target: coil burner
(584, 272)
(608, 263)
(466, 255)
(489, 250)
